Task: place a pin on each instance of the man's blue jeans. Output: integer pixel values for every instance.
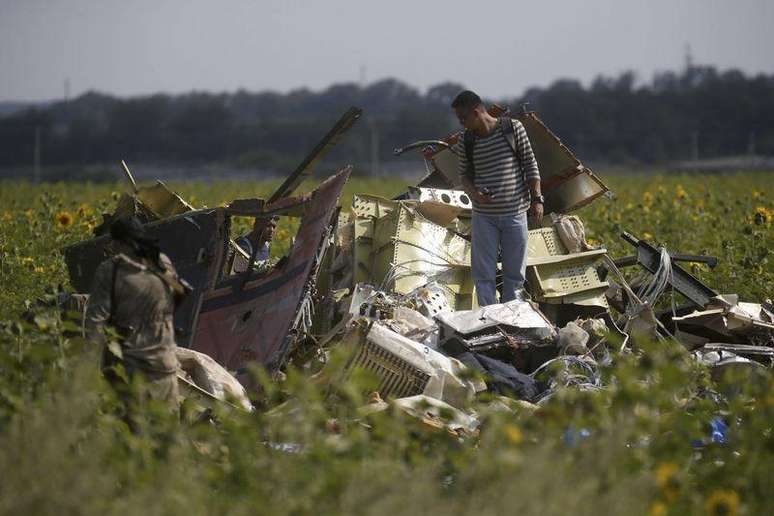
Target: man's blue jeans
(493, 233)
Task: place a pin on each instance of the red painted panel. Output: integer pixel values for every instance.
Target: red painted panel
(251, 324)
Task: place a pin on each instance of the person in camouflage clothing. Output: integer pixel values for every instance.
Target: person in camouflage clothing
(134, 292)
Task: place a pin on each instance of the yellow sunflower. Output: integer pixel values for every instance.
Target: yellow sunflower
(666, 479)
(513, 434)
(64, 219)
(680, 192)
(658, 509)
(763, 215)
(723, 502)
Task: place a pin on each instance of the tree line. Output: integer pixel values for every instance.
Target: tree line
(698, 112)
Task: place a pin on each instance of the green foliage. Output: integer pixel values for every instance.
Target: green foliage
(626, 449)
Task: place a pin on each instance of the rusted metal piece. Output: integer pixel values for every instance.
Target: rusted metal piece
(258, 322)
(567, 184)
(306, 167)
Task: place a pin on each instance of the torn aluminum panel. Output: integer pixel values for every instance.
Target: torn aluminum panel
(439, 205)
(246, 319)
(409, 251)
(566, 183)
(372, 212)
(516, 333)
(726, 319)
(366, 209)
(517, 314)
(559, 277)
(762, 354)
(306, 167)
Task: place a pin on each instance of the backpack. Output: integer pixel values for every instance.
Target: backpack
(469, 141)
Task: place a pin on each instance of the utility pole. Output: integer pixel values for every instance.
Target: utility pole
(695, 145)
(36, 156)
(688, 58)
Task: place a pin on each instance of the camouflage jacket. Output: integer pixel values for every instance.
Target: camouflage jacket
(142, 315)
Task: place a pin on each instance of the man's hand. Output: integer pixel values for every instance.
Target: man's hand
(536, 210)
(474, 193)
(481, 197)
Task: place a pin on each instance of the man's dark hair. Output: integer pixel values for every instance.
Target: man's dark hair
(467, 99)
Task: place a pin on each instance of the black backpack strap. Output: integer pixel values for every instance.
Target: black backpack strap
(469, 140)
(506, 127)
(509, 133)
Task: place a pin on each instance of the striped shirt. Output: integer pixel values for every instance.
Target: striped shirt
(497, 169)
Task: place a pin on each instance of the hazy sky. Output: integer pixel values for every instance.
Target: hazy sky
(131, 47)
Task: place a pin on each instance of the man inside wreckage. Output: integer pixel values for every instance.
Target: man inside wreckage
(392, 283)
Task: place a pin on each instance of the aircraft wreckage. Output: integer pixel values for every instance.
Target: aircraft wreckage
(390, 283)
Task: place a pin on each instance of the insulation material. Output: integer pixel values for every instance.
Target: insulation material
(211, 377)
(571, 232)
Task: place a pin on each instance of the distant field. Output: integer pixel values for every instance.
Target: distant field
(640, 446)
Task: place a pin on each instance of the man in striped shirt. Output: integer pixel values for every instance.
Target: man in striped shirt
(504, 182)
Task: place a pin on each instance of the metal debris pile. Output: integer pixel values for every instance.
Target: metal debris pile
(389, 284)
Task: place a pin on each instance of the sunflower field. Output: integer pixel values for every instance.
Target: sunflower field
(646, 444)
